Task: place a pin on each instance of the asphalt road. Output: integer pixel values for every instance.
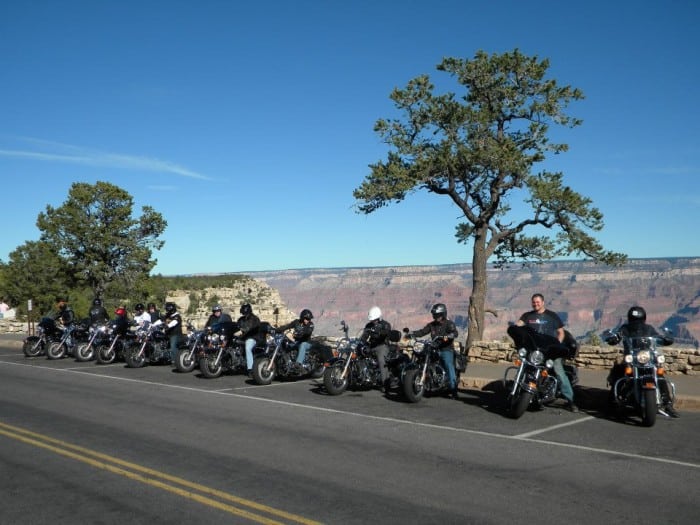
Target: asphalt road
(83, 443)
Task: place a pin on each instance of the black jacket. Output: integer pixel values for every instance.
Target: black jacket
(302, 332)
(440, 329)
(376, 333)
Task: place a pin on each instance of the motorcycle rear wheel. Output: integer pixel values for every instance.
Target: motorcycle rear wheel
(84, 352)
(185, 361)
(56, 351)
(34, 348)
(333, 379)
(649, 408)
(412, 387)
(208, 368)
(318, 371)
(518, 404)
(262, 374)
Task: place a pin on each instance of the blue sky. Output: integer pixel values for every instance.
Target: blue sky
(249, 124)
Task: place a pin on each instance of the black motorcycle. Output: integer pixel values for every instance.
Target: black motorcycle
(46, 332)
(115, 346)
(187, 357)
(150, 346)
(641, 385)
(97, 336)
(279, 360)
(221, 351)
(355, 365)
(531, 382)
(71, 336)
(426, 374)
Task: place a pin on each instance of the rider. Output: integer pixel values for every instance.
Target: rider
(65, 314)
(153, 312)
(140, 315)
(636, 326)
(173, 328)
(217, 316)
(301, 334)
(248, 329)
(98, 313)
(547, 323)
(121, 321)
(376, 335)
(444, 329)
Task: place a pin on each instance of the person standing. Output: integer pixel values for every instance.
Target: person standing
(249, 330)
(547, 323)
(173, 328)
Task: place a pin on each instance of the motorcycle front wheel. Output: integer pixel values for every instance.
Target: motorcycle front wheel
(263, 373)
(185, 361)
(135, 359)
(33, 348)
(649, 408)
(518, 403)
(333, 379)
(56, 351)
(84, 352)
(412, 387)
(209, 368)
(106, 355)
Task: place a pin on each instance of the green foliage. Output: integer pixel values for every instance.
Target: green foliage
(103, 247)
(480, 148)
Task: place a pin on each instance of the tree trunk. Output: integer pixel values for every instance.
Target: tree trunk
(477, 299)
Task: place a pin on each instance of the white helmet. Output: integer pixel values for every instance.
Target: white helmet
(374, 313)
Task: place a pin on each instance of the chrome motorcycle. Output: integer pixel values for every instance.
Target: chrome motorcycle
(639, 384)
(426, 373)
(46, 332)
(221, 351)
(71, 336)
(279, 360)
(150, 346)
(86, 350)
(531, 381)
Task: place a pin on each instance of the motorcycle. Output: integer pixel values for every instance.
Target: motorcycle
(279, 361)
(355, 365)
(221, 351)
(426, 373)
(187, 358)
(86, 351)
(642, 377)
(531, 381)
(150, 346)
(71, 337)
(46, 333)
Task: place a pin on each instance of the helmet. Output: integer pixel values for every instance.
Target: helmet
(139, 307)
(97, 302)
(120, 311)
(246, 309)
(636, 313)
(438, 310)
(374, 313)
(306, 314)
(216, 308)
(170, 307)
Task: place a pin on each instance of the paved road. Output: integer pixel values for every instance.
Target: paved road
(82, 443)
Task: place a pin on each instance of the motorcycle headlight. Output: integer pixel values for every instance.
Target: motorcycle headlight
(643, 357)
(549, 364)
(537, 357)
(522, 353)
(353, 345)
(661, 359)
(629, 358)
(343, 345)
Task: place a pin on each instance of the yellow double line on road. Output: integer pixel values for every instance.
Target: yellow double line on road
(156, 479)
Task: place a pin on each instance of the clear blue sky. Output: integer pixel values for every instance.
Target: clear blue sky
(248, 124)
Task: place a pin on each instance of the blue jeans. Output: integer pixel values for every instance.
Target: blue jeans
(447, 356)
(565, 385)
(249, 345)
(303, 347)
(174, 341)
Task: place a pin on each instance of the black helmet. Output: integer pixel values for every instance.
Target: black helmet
(97, 302)
(636, 313)
(306, 314)
(246, 309)
(216, 308)
(170, 307)
(438, 310)
(139, 307)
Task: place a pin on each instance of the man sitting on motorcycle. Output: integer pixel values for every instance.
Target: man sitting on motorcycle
(636, 326)
(217, 316)
(376, 335)
(547, 323)
(302, 329)
(444, 329)
(249, 330)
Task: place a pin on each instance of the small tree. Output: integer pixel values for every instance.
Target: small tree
(479, 149)
(102, 244)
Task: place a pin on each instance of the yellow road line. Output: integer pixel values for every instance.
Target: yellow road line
(105, 462)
